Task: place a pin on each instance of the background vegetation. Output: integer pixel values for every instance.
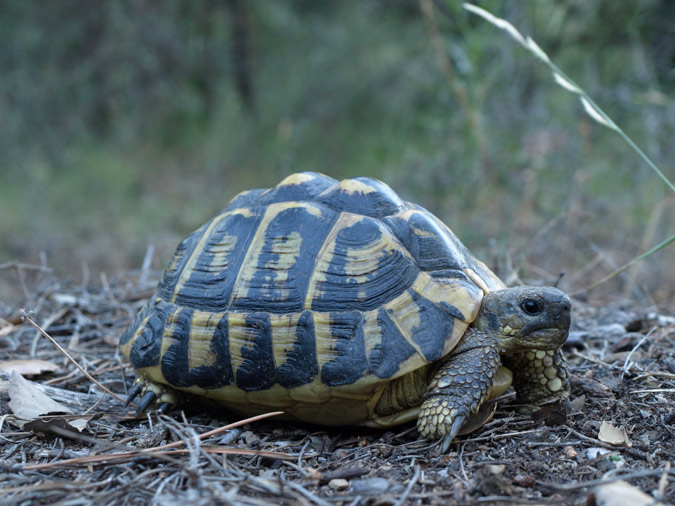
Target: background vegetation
(128, 123)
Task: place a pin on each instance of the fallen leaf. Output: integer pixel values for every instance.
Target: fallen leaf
(338, 484)
(27, 402)
(6, 327)
(610, 434)
(577, 404)
(621, 493)
(57, 426)
(29, 367)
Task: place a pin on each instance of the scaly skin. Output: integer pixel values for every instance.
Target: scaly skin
(539, 377)
(460, 386)
(527, 326)
(525, 341)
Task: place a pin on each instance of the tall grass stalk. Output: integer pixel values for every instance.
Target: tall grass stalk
(590, 107)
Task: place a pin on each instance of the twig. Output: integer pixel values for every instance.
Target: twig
(461, 461)
(67, 355)
(635, 260)
(653, 391)
(170, 449)
(656, 374)
(501, 436)
(631, 451)
(575, 353)
(602, 481)
(224, 428)
(46, 323)
(22, 266)
(663, 482)
(506, 498)
(408, 489)
(145, 267)
(306, 493)
(125, 456)
(644, 338)
(540, 444)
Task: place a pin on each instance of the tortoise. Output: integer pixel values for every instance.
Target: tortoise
(341, 304)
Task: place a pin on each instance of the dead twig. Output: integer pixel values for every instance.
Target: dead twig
(67, 355)
(415, 477)
(615, 477)
(25, 267)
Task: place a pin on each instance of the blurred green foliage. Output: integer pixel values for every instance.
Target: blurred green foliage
(131, 122)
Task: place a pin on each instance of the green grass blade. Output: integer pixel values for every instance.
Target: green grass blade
(591, 108)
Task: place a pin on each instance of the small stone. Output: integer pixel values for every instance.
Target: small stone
(497, 468)
(338, 484)
(570, 452)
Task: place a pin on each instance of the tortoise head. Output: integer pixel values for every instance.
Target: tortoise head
(526, 317)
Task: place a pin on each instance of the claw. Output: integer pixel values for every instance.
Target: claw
(147, 399)
(454, 430)
(133, 393)
(164, 407)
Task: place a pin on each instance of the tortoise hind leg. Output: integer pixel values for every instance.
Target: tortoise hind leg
(152, 393)
(459, 387)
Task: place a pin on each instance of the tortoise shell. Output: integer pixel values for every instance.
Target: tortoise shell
(309, 297)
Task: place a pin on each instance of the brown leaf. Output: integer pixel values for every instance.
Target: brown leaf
(610, 434)
(27, 402)
(56, 426)
(28, 367)
(621, 493)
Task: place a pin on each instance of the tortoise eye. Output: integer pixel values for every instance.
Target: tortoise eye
(531, 307)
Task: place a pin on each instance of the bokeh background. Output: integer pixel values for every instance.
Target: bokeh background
(129, 123)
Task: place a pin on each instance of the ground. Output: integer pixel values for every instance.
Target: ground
(620, 426)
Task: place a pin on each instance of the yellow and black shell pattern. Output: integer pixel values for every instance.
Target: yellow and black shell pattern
(309, 297)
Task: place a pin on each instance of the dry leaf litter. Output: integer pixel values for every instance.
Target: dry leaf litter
(64, 440)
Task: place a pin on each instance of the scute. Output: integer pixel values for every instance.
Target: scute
(362, 195)
(178, 263)
(433, 247)
(302, 186)
(361, 268)
(279, 262)
(210, 269)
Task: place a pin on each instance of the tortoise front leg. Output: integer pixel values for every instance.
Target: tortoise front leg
(459, 387)
(538, 377)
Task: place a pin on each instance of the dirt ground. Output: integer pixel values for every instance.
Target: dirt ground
(618, 435)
